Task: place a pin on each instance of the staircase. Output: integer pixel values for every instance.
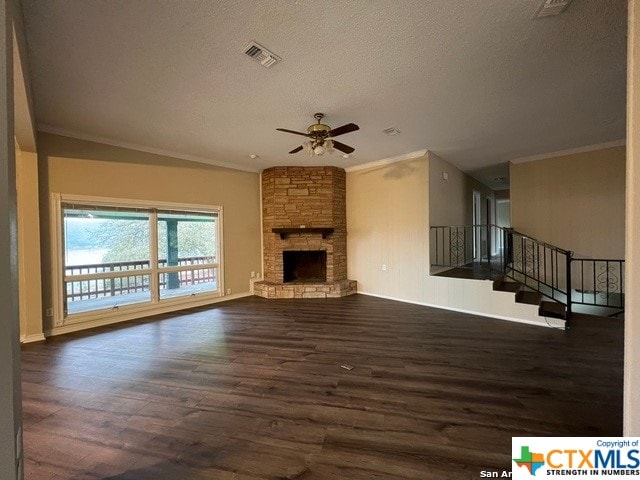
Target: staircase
(523, 294)
(537, 273)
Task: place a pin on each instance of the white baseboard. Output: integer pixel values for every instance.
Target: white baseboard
(34, 337)
(76, 327)
(559, 323)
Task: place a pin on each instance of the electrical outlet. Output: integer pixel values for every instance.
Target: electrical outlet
(228, 291)
(384, 267)
(49, 312)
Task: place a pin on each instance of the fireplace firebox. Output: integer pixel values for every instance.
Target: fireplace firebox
(304, 266)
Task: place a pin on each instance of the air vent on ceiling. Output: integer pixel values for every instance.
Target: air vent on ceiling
(261, 55)
(550, 8)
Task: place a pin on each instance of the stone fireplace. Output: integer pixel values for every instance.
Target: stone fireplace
(305, 233)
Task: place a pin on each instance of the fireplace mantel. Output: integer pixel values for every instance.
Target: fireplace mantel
(284, 231)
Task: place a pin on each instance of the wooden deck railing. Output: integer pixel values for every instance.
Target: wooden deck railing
(131, 281)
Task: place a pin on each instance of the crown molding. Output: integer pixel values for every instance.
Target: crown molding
(387, 161)
(141, 148)
(572, 151)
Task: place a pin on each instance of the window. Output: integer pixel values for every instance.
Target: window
(186, 242)
(128, 254)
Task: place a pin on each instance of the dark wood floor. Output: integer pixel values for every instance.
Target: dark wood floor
(254, 389)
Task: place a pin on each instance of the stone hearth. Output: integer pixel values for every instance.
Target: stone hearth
(304, 200)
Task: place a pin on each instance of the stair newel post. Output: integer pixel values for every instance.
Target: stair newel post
(568, 257)
(489, 246)
(506, 248)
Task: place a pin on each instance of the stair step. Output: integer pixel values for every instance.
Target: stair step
(502, 285)
(553, 309)
(530, 298)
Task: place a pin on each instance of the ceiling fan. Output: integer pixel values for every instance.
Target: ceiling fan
(321, 137)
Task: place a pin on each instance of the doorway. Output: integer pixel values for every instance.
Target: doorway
(492, 232)
(503, 213)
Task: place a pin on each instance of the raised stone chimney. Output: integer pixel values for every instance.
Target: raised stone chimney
(305, 233)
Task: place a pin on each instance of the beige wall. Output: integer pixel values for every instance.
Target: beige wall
(10, 399)
(71, 166)
(388, 224)
(30, 288)
(502, 194)
(23, 106)
(576, 202)
(632, 301)
(450, 201)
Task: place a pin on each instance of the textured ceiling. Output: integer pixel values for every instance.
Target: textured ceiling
(476, 81)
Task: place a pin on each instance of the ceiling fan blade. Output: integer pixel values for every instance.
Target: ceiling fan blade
(297, 149)
(349, 127)
(293, 131)
(342, 147)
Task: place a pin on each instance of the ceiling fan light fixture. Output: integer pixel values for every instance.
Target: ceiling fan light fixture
(320, 138)
(328, 145)
(308, 147)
